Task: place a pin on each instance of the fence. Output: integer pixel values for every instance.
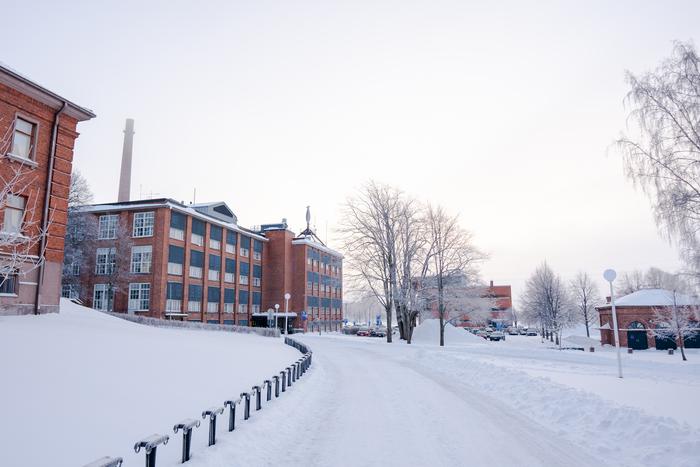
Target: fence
(167, 323)
(284, 379)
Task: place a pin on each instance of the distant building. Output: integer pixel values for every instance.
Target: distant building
(637, 319)
(502, 309)
(164, 259)
(38, 133)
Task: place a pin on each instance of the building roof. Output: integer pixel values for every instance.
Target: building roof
(175, 205)
(15, 80)
(654, 297)
(309, 241)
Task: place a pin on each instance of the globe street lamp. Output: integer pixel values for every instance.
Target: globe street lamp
(277, 309)
(610, 276)
(286, 312)
(270, 317)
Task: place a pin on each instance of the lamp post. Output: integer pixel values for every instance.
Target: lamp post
(277, 309)
(286, 312)
(270, 317)
(610, 276)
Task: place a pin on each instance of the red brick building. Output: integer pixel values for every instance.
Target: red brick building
(164, 259)
(502, 309)
(37, 137)
(637, 319)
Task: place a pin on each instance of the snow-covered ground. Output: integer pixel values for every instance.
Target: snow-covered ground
(80, 385)
(363, 402)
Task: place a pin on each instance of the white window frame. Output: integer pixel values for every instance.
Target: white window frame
(32, 135)
(174, 269)
(257, 255)
(143, 224)
(243, 280)
(108, 266)
(255, 309)
(228, 307)
(194, 306)
(195, 272)
(256, 282)
(229, 277)
(243, 308)
(212, 307)
(231, 248)
(172, 305)
(138, 302)
(141, 258)
(75, 268)
(213, 275)
(18, 204)
(197, 239)
(107, 227)
(244, 252)
(104, 301)
(214, 244)
(177, 234)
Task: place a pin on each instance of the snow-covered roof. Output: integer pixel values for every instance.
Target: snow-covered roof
(310, 242)
(655, 297)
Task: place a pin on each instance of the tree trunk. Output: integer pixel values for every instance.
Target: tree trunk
(442, 331)
(389, 316)
(680, 338)
(585, 320)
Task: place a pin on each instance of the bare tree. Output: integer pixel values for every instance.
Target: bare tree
(22, 245)
(454, 258)
(547, 301)
(678, 321)
(80, 193)
(652, 278)
(630, 282)
(370, 229)
(664, 157)
(586, 296)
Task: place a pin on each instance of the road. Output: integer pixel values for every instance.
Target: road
(368, 403)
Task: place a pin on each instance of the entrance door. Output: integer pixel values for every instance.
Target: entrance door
(637, 336)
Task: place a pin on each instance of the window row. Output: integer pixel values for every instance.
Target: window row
(105, 261)
(108, 225)
(196, 302)
(176, 260)
(178, 224)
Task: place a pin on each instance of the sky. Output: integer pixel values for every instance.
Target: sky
(504, 112)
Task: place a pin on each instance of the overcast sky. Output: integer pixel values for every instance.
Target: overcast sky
(501, 111)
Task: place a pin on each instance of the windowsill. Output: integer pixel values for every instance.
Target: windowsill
(22, 160)
(8, 295)
(141, 236)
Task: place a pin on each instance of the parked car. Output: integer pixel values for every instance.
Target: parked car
(482, 333)
(522, 331)
(497, 336)
(531, 332)
(512, 331)
(377, 332)
(363, 332)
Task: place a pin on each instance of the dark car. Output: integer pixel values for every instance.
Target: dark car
(363, 332)
(377, 333)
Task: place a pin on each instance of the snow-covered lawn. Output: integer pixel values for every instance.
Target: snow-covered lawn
(80, 385)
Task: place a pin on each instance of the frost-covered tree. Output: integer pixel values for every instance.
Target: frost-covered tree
(585, 295)
(678, 321)
(547, 301)
(652, 278)
(662, 152)
(22, 237)
(454, 258)
(80, 193)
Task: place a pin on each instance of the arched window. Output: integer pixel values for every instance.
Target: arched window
(636, 325)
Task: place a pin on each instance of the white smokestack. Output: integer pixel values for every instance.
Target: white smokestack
(125, 177)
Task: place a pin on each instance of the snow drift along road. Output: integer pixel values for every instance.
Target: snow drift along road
(428, 332)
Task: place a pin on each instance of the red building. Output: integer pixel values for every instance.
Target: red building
(37, 137)
(640, 313)
(502, 309)
(164, 259)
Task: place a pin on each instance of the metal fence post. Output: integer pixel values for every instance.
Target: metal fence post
(289, 376)
(106, 462)
(277, 385)
(231, 414)
(187, 426)
(284, 378)
(246, 407)
(150, 446)
(211, 413)
(269, 389)
(257, 397)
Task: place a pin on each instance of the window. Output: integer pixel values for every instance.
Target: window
(256, 282)
(245, 247)
(230, 270)
(139, 296)
(257, 275)
(228, 307)
(214, 267)
(198, 228)
(69, 291)
(107, 227)
(257, 250)
(243, 308)
(141, 259)
(196, 264)
(229, 300)
(194, 298)
(176, 257)
(177, 225)
(257, 300)
(215, 233)
(255, 309)
(106, 261)
(245, 272)
(8, 283)
(143, 224)
(23, 139)
(230, 242)
(173, 297)
(75, 268)
(213, 296)
(102, 297)
(14, 214)
(243, 301)
(243, 280)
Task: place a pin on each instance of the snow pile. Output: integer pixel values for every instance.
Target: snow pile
(428, 332)
(580, 341)
(655, 297)
(81, 384)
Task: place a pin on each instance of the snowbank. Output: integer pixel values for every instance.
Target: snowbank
(428, 332)
(80, 385)
(581, 341)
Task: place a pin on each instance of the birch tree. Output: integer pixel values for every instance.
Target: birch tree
(585, 294)
(662, 154)
(454, 256)
(677, 321)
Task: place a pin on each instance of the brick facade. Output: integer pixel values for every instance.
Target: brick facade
(23, 99)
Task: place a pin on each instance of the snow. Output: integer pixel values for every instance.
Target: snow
(654, 297)
(428, 332)
(80, 385)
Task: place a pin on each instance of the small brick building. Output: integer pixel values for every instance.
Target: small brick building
(637, 318)
(38, 133)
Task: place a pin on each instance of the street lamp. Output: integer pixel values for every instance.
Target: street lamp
(277, 308)
(610, 276)
(270, 317)
(286, 312)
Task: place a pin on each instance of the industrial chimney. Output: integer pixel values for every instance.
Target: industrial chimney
(125, 177)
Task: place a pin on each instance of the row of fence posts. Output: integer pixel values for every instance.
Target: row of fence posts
(283, 379)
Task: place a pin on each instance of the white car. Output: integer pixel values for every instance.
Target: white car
(497, 336)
